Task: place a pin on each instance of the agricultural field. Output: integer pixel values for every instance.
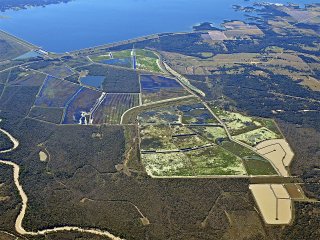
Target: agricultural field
(156, 88)
(113, 106)
(145, 60)
(55, 68)
(116, 80)
(52, 115)
(239, 29)
(21, 77)
(81, 107)
(56, 93)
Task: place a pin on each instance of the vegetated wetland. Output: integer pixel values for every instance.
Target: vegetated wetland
(181, 145)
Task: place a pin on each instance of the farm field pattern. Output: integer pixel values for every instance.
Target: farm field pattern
(191, 139)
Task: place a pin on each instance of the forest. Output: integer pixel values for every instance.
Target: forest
(20, 4)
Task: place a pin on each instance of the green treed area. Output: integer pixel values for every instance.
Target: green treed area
(5, 142)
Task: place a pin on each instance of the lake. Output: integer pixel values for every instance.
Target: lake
(82, 23)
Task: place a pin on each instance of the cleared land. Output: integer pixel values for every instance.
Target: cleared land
(256, 136)
(274, 203)
(54, 68)
(11, 47)
(145, 60)
(22, 77)
(173, 134)
(113, 106)
(56, 93)
(81, 107)
(117, 80)
(278, 152)
(156, 88)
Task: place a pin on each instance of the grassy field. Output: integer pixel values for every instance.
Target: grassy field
(256, 136)
(21, 77)
(240, 125)
(211, 161)
(254, 163)
(189, 129)
(168, 164)
(156, 138)
(211, 133)
(215, 161)
(146, 60)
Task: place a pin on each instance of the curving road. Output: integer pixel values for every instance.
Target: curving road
(18, 224)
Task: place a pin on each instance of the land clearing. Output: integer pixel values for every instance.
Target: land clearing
(274, 203)
(54, 68)
(295, 191)
(81, 107)
(144, 59)
(190, 131)
(278, 152)
(43, 156)
(256, 136)
(156, 88)
(56, 93)
(113, 106)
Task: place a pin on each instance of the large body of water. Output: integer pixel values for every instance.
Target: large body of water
(86, 23)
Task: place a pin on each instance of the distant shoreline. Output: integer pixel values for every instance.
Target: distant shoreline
(20, 5)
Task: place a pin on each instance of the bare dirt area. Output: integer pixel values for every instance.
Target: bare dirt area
(278, 152)
(295, 191)
(43, 156)
(274, 203)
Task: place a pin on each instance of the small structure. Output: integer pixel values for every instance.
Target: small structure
(134, 58)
